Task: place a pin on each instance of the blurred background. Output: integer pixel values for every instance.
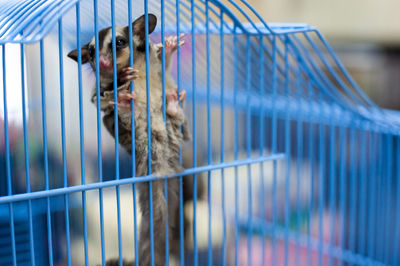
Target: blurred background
(365, 35)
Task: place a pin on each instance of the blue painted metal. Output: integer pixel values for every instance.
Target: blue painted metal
(372, 200)
(332, 186)
(300, 154)
(179, 84)
(287, 151)
(274, 138)
(81, 130)
(99, 146)
(63, 145)
(236, 145)
(194, 73)
(26, 152)
(363, 193)
(261, 142)
(7, 151)
(248, 152)
(133, 162)
(312, 178)
(397, 229)
(116, 134)
(327, 179)
(45, 152)
(208, 62)
(222, 155)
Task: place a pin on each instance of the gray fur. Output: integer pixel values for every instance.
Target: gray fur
(165, 146)
(166, 138)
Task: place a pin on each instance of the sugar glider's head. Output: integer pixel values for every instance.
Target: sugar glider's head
(122, 46)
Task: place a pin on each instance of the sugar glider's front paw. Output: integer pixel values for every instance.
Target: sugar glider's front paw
(128, 74)
(104, 99)
(170, 45)
(124, 102)
(182, 96)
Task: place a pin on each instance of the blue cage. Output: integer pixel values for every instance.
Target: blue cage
(299, 166)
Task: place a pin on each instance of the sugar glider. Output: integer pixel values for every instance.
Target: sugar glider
(166, 138)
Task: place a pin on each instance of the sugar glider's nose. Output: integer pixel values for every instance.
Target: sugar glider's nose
(105, 63)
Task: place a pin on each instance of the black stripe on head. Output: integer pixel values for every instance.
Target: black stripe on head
(141, 48)
(102, 35)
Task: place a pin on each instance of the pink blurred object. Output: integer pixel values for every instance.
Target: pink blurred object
(297, 254)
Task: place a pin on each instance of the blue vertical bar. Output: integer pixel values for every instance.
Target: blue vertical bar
(373, 157)
(181, 222)
(363, 193)
(396, 239)
(321, 188)
(379, 201)
(287, 152)
(12, 232)
(46, 166)
(209, 251)
(26, 152)
(99, 146)
(353, 189)
(81, 133)
(117, 189)
(63, 146)
(163, 63)
(8, 165)
(274, 146)
(343, 198)
(299, 158)
(114, 57)
(235, 141)
(133, 148)
(195, 251)
(332, 188)
(222, 102)
(248, 149)
(311, 167)
(261, 141)
(165, 119)
(146, 22)
(387, 202)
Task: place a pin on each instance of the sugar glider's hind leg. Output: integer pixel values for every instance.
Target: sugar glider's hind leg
(160, 167)
(159, 223)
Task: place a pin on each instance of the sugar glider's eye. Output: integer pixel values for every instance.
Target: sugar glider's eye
(91, 52)
(121, 43)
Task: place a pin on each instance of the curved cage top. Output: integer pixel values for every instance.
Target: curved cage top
(336, 92)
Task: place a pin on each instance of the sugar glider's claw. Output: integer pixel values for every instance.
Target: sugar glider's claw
(133, 95)
(129, 70)
(129, 78)
(128, 74)
(128, 95)
(181, 36)
(123, 105)
(182, 95)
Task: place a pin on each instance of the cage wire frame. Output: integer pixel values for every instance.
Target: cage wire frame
(293, 111)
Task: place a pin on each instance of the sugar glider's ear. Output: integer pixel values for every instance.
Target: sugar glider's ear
(84, 51)
(138, 26)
